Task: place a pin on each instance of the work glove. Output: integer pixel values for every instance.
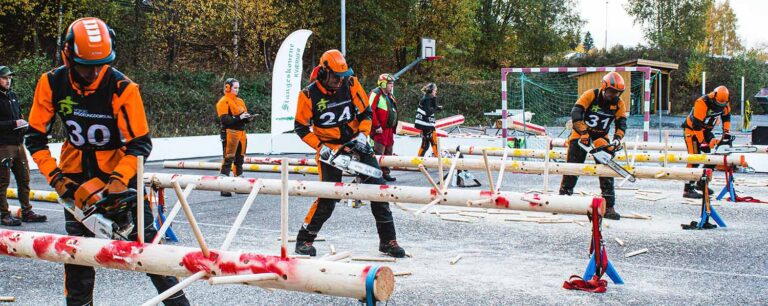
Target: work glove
(21, 123)
(64, 186)
(378, 130)
(245, 116)
(117, 199)
(600, 144)
(325, 152)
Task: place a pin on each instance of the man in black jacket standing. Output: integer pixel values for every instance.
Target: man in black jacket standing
(13, 157)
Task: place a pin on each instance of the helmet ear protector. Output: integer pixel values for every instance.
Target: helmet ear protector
(228, 84)
(384, 80)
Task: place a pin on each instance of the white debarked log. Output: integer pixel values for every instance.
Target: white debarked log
(673, 157)
(403, 194)
(35, 195)
(246, 167)
(311, 276)
(686, 174)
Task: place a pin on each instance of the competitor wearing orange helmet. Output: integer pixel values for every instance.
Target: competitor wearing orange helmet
(103, 114)
(332, 111)
(384, 104)
(592, 116)
(233, 115)
(697, 129)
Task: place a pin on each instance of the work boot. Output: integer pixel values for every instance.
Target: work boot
(31, 216)
(389, 178)
(611, 213)
(305, 248)
(9, 220)
(692, 194)
(391, 248)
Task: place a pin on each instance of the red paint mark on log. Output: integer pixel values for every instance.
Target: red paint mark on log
(433, 192)
(246, 264)
(5, 238)
(383, 187)
(195, 261)
(502, 202)
(339, 184)
(365, 271)
(252, 180)
(486, 193)
(283, 253)
(41, 245)
(66, 245)
(209, 177)
(118, 253)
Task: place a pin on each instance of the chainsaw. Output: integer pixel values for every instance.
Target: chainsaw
(107, 217)
(725, 147)
(346, 158)
(606, 158)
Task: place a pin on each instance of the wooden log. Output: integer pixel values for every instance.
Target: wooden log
(648, 157)
(7, 299)
(368, 192)
(34, 195)
(456, 259)
(283, 207)
(140, 195)
(679, 173)
(246, 167)
(619, 241)
(311, 276)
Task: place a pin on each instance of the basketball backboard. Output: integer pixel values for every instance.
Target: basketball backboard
(427, 47)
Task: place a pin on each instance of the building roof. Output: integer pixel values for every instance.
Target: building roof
(663, 66)
(649, 63)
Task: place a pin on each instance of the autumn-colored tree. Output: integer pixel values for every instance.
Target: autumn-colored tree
(671, 24)
(721, 30)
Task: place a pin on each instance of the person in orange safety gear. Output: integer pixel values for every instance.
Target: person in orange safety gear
(592, 116)
(332, 111)
(106, 130)
(697, 129)
(233, 115)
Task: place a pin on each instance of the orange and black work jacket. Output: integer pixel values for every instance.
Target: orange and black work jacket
(704, 116)
(334, 118)
(229, 108)
(593, 115)
(105, 123)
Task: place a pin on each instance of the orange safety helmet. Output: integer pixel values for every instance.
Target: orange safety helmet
(384, 80)
(333, 61)
(612, 80)
(720, 95)
(89, 41)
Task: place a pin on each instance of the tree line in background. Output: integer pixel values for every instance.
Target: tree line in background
(181, 51)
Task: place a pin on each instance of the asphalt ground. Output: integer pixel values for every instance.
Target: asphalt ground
(504, 262)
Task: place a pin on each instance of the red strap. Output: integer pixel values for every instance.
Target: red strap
(747, 199)
(594, 285)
